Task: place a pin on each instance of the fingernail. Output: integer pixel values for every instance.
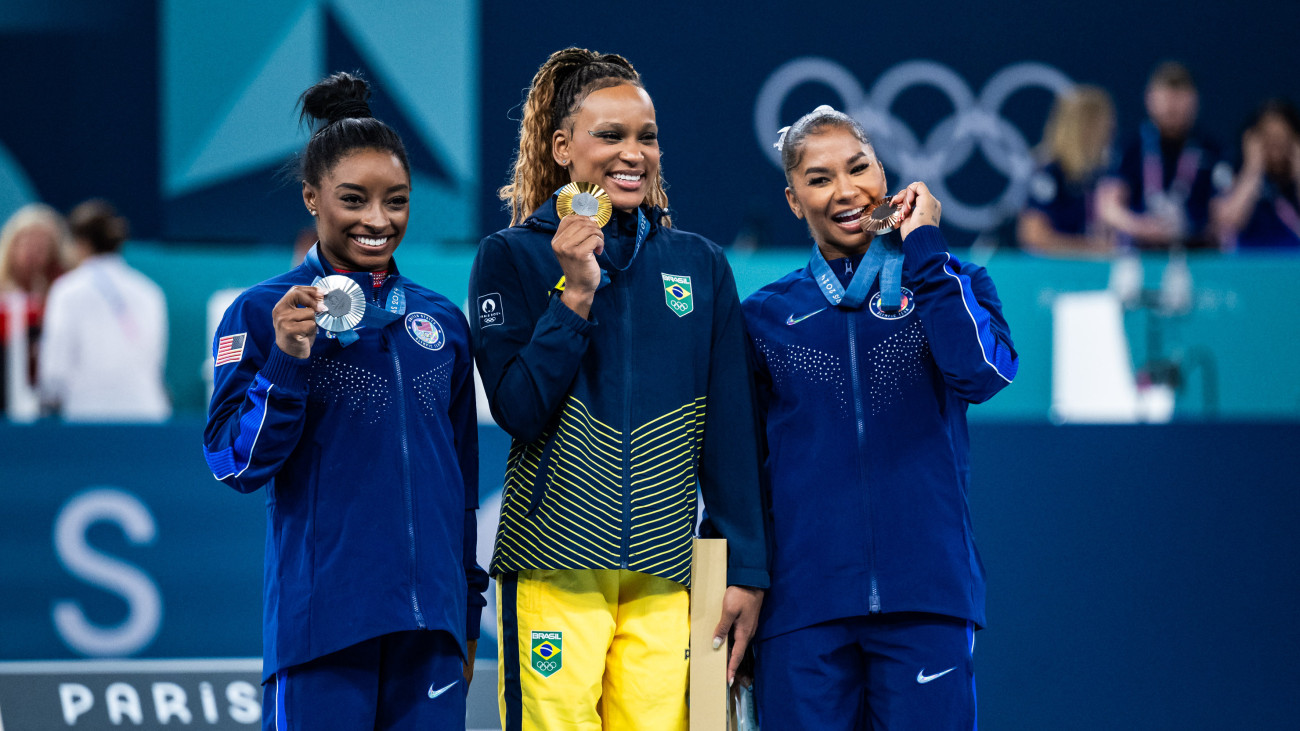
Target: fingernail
(717, 642)
(731, 681)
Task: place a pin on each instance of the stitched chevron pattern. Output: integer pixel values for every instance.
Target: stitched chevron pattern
(563, 505)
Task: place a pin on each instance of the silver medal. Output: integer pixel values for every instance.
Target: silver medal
(345, 303)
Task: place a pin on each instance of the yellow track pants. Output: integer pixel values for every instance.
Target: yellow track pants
(585, 650)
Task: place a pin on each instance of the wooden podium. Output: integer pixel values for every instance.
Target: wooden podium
(708, 667)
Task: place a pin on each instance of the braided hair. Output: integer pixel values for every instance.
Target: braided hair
(558, 90)
(337, 111)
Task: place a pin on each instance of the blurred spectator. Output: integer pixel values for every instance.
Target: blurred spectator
(1262, 209)
(1159, 195)
(105, 339)
(33, 246)
(1061, 217)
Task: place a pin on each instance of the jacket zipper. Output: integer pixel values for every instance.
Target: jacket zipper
(627, 423)
(406, 469)
(873, 602)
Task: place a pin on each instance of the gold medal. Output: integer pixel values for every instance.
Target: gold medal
(345, 303)
(584, 199)
(881, 218)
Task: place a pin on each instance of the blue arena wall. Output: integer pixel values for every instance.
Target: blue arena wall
(1139, 577)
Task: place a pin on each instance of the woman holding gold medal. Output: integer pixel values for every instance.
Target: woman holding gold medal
(611, 346)
(348, 391)
(866, 360)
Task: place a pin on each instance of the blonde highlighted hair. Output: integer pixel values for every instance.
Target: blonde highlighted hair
(558, 90)
(1079, 131)
(33, 215)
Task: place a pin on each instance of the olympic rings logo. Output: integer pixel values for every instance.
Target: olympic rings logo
(974, 121)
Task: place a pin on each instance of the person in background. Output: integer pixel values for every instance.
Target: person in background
(1061, 217)
(366, 440)
(615, 358)
(1261, 211)
(105, 340)
(34, 249)
(865, 363)
(1158, 196)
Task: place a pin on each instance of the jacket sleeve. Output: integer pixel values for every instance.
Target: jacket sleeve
(59, 345)
(729, 460)
(528, 360)
(259, 401)
(463, 414)
(962, 316)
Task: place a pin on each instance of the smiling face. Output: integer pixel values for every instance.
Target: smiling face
(362, 205)
(836, 179)
(612, 141)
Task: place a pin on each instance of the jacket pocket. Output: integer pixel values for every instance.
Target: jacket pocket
(541, 484)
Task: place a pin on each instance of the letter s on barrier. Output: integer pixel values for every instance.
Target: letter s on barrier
(144, 602)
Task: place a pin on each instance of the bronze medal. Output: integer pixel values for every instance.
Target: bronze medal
(881, 218)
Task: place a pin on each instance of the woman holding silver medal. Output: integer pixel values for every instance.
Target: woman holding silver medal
(611, 346)
(347, 390)
(865, 362)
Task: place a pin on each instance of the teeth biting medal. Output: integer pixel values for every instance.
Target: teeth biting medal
(881, 217)
(584, 199)
(345, 303)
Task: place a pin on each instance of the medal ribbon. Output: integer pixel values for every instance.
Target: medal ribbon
(375, 316)
(1153, 168)
(883, 257)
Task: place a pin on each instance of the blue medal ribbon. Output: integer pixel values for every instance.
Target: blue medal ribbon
(375, 316)
(642, 231)
(883, 257)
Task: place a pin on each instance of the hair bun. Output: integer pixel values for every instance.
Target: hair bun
(342, 95)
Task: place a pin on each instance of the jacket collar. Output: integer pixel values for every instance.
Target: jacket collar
(546, 219)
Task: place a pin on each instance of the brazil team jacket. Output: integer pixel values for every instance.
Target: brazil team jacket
(369, 454)
(616, 419)
(867, 453)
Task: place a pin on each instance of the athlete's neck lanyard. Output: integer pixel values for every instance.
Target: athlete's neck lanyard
(1153, 171)
(642, 231)
(883, 258)
(377, 317)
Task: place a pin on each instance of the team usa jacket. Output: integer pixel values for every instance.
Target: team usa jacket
(616, 420)
(867, 453)
(369, 455)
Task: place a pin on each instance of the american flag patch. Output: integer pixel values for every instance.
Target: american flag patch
(230, 348)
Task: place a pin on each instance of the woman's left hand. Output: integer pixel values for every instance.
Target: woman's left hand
(919, 207)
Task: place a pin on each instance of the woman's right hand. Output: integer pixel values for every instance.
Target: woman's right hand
(577, 243)
(294, 317)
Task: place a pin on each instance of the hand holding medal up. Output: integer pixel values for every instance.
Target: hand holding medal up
(294, 319)
(583, 208)
(907, 209)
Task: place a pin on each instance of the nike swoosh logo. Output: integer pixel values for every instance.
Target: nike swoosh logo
(435, 693)
(922, 678)
(792, 320)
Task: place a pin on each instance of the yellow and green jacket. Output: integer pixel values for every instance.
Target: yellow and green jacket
(619, 421)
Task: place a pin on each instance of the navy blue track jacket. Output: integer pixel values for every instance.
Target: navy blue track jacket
(616, 419)
(867, 452)
(369, 454)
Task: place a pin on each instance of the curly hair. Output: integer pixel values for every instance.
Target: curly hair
(558, 90)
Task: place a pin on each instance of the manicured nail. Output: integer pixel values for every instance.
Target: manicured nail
(717, 642)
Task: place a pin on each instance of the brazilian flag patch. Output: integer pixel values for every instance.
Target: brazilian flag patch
(677, 294)
(548, 652)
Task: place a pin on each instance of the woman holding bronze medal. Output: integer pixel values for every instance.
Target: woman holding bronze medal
(866, 360)
(611, 346)
(348, 391)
